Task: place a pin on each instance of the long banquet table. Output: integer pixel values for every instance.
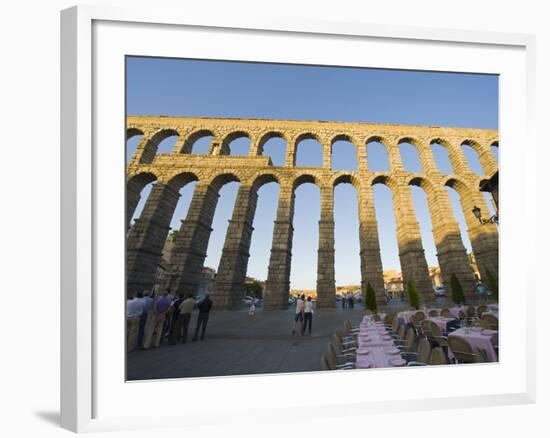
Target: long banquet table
(375, 347)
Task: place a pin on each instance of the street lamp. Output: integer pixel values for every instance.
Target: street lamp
(477, 213)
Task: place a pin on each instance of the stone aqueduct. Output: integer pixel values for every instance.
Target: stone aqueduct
(171, 171)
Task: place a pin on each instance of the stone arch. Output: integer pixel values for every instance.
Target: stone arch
(450, 250)
(450, 158)
(181, 179)
(263, 142)
(479, 152)
(140, 180)
(345, 217)
(416, 147)
(134, 187)
(383, 200)
(385, 164)
(232, 136)
(134, 142)
(192, 138)
(303, 137)
(268, 136)
(132, 132)
(476, 146)
(457, 184)
(219, 180)
(348, 139)
(432, 204)
(421, 181)
(346, 178)
(387, 180)
(151, 147)
(305, 178)
(263, 179)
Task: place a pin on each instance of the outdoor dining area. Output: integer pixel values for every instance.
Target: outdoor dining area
(416, 337)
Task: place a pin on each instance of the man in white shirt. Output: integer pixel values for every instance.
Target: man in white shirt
(134, 309)
(134, 306)
(299, 316)
(308, 315)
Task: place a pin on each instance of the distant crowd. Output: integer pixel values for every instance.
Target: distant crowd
(348, 300)
(153, 319)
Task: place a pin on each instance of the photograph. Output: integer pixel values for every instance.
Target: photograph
(290, 218)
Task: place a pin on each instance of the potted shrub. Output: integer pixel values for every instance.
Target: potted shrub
(412, 295)
(492, 283)
(457, 294)
(370, 301)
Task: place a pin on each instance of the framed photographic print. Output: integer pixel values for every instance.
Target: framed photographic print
(253, 205)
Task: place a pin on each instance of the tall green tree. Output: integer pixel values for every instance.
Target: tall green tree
(457, 293)
(370, 300)
(412, 295)
(492, 283)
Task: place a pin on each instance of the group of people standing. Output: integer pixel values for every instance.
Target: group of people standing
(303, 315)
(348, 300)
(150, 319)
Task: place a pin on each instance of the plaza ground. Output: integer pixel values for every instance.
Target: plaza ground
(237, 343)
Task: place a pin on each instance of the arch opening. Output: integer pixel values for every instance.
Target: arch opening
(347, 262)
(307, 213)
(472, 157)
(186, 192)
(423, 216)
(309, 151)
(442, 158)
(227, 188)
(387, 235)
(133, 138)
(455, 198)
(138, 189)
(410, 156)
(236, 144)
(377, 156)
(199, 142)
(343, 154)
(162, 142)
(274, 147)
(262, 236)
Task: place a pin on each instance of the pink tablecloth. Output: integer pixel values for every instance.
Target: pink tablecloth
(454, 310)
(441, 321)
(481, 339)
(376, 348)
(407, 314)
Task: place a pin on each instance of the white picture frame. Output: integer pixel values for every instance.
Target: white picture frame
(93, 397)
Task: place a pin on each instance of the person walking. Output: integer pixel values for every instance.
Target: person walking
(186, 309)
(161, 307)
(299, 316)
(252, 309)
(167, 327)
(308, 315)
(204, 313)
(344, 299)
(175, 327)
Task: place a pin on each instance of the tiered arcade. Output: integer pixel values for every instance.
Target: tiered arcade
(172, 171)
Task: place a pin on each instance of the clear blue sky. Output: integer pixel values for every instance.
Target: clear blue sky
(249, 90)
